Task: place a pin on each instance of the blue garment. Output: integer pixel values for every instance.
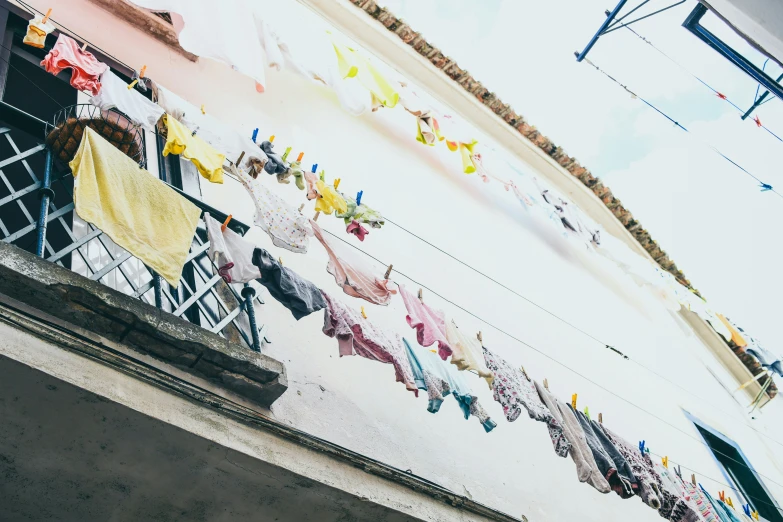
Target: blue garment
(440, 379)
(718, 507)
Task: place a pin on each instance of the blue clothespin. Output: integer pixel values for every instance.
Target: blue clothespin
(255, 134)
(746, 509)
(641, 447)
(359, 197)
(315, 167)
(765, 187)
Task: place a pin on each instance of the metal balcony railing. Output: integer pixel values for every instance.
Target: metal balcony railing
(37, 214)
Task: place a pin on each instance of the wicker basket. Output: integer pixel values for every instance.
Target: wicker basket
(64, 134)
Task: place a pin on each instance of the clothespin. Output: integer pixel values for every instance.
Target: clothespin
(286, 153)
(729, 502)
(301, 207)
(722, 495)
(678, 471)
(420, 294)
(755, 515)
(84, 49)
(46, 16)
(665, 461)
(336, 183)
(143, 71)
(641, 447)
(255, 134)
(132, 84)
(765, 187)
(587, 413)
(546, 383)
(364, 314)
(299, 158)
(315, 218)
(601, 418)
(239, 159)
(746, 509)
(203, 109)
(573, 401)
(757, 120)
(693, 479)
(359, 197)
(272, 138)
(322, 175)
(388, 272)
(315, 167)
(280, 260)
(225, 223)
(720, 95)
(480, 337)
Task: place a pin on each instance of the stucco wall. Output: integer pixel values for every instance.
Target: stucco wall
(356, 403)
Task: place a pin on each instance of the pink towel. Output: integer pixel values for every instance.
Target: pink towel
(357, 336)
(352, 274)
(87, 70)
(430, 324)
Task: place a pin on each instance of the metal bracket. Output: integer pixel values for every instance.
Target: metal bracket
(760, 100)
(612, 23)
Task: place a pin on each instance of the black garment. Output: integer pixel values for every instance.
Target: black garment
(292, 291)
(606, 465)
(623, 468)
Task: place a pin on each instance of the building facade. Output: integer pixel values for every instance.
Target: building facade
(124, 400)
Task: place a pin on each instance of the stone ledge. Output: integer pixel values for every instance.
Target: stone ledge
(111, 314)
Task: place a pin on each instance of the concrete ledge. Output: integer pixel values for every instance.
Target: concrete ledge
(90, 305)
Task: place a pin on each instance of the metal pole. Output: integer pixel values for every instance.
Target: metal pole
(248, 293)
(46, 194)
(609, 18)
(760, 100)
(156, 284)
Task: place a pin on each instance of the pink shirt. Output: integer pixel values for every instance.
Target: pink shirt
(352, 274)
(357, 336)
(430, 324)
(87, 70)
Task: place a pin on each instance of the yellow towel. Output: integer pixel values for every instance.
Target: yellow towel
(135, 209)
(180, 140)
(352, 64)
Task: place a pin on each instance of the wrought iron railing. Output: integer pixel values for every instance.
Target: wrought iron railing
(37, 214)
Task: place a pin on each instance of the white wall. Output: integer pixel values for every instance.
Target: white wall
(360, 406)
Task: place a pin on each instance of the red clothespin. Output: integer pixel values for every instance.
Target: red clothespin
(722, 495)
(757, 120)
(720, 95)
(225, 223)
(46, 16)
(143, 71)
(299, 158)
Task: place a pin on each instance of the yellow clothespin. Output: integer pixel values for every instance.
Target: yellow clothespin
(573, 401)
(729, 502)
(364, 314)
(601, 418)
(132, 84)
(272, 138)
(755, 515)
(693, 479)
(665, 461)
(546, 383)
(388, 272)
(286, 153)
(46, 16)
(336, 183)
(587, 413)
(203, 109)
(315, 218)
(225, 223)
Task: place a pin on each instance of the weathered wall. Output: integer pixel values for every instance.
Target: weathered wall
(356, 403)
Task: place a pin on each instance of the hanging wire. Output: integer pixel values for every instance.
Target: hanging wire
(710, 87)
(546, 355)
(767, 187)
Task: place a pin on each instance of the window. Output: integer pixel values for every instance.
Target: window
(739, 472)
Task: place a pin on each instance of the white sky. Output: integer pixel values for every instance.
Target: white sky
(708, 215)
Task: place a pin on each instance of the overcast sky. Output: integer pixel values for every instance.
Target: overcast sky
(707, 214)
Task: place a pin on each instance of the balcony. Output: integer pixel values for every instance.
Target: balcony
(55, 263)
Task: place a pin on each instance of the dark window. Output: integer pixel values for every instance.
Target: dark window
(738, 470)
